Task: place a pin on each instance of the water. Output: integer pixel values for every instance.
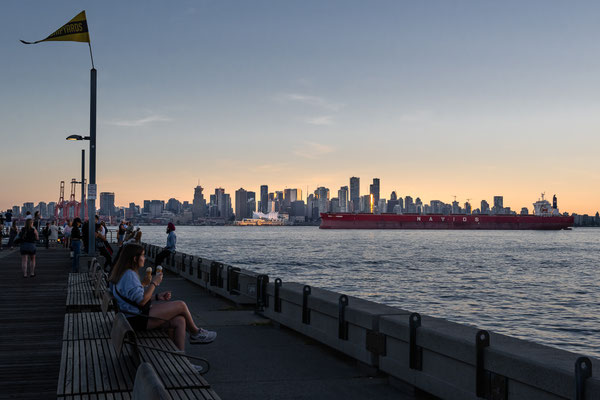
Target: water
(538, 286)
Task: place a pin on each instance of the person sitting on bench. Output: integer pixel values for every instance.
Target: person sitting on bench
(134, 300)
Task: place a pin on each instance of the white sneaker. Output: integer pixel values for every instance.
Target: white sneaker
(198, 367)
(203, 337)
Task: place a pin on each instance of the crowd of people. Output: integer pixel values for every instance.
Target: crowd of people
(137, 298)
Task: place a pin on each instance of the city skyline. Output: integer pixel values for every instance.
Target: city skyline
(436, 100)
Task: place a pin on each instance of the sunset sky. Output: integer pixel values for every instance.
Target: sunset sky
(435, 98)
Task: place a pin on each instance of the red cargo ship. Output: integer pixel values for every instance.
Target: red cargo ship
(545, 218)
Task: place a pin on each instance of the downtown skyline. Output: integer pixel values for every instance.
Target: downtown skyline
(436, 100)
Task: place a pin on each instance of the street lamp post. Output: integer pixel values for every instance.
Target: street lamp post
(91, 209)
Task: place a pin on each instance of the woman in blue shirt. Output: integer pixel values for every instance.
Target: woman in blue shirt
(134, 300)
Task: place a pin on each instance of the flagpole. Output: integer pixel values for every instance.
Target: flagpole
(91, 56)
(92, 196)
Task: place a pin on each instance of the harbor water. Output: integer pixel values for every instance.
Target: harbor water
(534, 285)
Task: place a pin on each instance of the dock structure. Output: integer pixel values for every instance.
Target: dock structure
(419, 353)
(276, 340)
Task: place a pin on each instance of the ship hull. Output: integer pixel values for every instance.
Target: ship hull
(490, 222)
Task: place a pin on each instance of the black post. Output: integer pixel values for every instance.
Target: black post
(92, 199)
(82, 211)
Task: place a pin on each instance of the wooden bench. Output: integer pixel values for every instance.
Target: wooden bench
(147, 386)
(84, 294)
(173, 367)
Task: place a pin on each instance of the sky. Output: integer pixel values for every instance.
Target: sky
(436, 98)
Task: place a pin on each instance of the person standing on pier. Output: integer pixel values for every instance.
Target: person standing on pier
(54, 232)
(67, 233)
(36, 220)
(76, 244)
(46, 233)
(28, 237)
(171, 245)
(14, 231)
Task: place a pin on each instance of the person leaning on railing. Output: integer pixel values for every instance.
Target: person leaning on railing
(135, 300)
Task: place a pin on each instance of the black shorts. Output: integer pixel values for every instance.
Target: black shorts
(138, 322)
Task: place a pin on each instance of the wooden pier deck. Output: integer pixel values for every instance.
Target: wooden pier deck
(31, 319)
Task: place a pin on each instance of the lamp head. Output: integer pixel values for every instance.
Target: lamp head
(78, 137)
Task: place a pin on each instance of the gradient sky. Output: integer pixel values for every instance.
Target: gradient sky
(435, 98)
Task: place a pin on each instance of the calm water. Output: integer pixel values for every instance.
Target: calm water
(540, 286)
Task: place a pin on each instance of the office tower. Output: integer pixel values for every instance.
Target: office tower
(264, 198)
(409, 206)
(524, 211)
(251, 204)
(51, 209)
(366, 204)
(27, 207)
(43, 209)
(16, 211)
(498, 203)
(436, 206)
(455, 207)
(343, 199)
(485, 207)
(174, 206)
(393, 196)
(334, 205)
(322, 196)
(226, 210)
(107, 204)
(374, 190)
(298, 209)
(146, 208)
(355, 193)
(156, 208)
(382, 206)
(467, 208)
(241, 204)
(198, 204)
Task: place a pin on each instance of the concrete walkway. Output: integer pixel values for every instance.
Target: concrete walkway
(254, 359)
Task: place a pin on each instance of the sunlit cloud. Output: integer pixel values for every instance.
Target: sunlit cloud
(325, 120)
(141, 122)
(314, 101)
(312, 150)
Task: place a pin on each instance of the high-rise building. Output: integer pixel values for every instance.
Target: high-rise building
(107, 204)
(409, 206)
(241, 204)
(251, 204)
(343, 199)
(51, 209)
(322, 196)
(264, 198)
(498, 202)
(393, 196)
(146, 208)
(467, 208)
(374, 190)
(198, 204)
(27, 207)
(43, 209)
(355, 193)
(485, 207)
(174, 206)
(156, 208)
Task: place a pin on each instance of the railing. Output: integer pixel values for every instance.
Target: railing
(446, 359)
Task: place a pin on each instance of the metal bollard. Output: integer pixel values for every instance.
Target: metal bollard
(276, 298)
(342, 323)
(305, 310)
(415, 357)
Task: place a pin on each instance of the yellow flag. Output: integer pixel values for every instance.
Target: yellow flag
(76, 30)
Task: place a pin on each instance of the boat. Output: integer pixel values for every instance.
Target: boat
(545, 217)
